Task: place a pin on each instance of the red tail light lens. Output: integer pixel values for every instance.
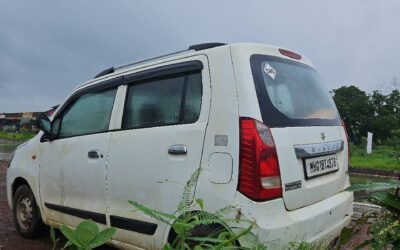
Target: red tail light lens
(259, 177)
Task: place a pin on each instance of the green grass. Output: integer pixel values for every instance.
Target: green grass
(23, 136)
(382, 157)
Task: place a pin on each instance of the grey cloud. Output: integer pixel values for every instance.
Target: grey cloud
(49, 47)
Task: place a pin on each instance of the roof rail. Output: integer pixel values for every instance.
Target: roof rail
(195, 47)
(105, 72)
(149, 60)
(203, 46)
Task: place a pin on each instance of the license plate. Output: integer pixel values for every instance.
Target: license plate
(320, 165)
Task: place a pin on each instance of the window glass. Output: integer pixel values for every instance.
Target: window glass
(89, 114)
(291, 93)
(154, 103)
(192, 105)
(55, 126)
(166, 101)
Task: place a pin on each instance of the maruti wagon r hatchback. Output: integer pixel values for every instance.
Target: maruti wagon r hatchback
(255, 118)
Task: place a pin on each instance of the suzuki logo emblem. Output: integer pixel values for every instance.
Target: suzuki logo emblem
(323, 136)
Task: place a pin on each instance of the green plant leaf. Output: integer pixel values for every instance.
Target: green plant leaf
(377, 186)
(53, 235)
(86, 231)
(386, 199)
(163, 217)
(205, 239)
(181, 228)
(167, 247)
(69, 246)
(201, 203)
(223, 211)
(234, 237)
(70, 235)
(187, 194)
(204, 218)
(103, 237)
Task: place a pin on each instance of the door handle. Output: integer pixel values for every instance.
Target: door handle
(177, 150)
(94, 154)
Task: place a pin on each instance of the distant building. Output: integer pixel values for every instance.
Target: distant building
(26, 120)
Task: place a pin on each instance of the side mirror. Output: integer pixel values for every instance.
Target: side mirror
(44, 124)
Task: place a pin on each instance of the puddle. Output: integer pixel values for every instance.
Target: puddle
(363, 179)
(7, 147)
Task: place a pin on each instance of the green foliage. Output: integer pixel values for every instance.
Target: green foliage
(86, 236)
(16, 136)
(53, 237)
(192, 216)
(386, 232)
(354, 108)
(385, 228)
(378, 113)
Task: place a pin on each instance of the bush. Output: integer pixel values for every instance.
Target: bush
(385, 229)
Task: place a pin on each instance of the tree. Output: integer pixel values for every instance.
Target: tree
(385, 117)
(378, 113)
(355, 110)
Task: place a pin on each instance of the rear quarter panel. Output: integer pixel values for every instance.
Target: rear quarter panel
(223, 121)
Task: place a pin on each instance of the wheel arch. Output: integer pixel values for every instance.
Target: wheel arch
(17, 183)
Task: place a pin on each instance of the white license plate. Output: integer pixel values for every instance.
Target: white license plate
(321, 165)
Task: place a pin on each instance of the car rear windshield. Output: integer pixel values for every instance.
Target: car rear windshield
(291, 94)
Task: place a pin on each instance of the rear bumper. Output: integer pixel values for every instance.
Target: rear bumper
(318, 223)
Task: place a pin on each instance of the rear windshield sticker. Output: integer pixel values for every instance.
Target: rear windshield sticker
(270, 71)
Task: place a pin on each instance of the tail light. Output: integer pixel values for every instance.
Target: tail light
(259, 176)
(347, 139)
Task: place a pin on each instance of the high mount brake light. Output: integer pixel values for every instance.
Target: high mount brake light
(290, 54)
(259, 177)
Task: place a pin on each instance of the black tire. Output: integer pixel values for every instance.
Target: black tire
(26, 213)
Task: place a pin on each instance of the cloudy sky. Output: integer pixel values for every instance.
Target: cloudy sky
(47, 47)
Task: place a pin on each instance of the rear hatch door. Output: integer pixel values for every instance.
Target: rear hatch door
(310, 141)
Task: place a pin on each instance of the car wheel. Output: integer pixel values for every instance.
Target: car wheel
(27, 218)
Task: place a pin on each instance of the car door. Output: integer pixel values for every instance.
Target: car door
(73, 165)
(158, 148)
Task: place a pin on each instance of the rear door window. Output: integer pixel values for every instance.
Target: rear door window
(291, 93)
(164, 101)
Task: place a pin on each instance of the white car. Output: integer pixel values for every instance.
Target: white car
(255, 118)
